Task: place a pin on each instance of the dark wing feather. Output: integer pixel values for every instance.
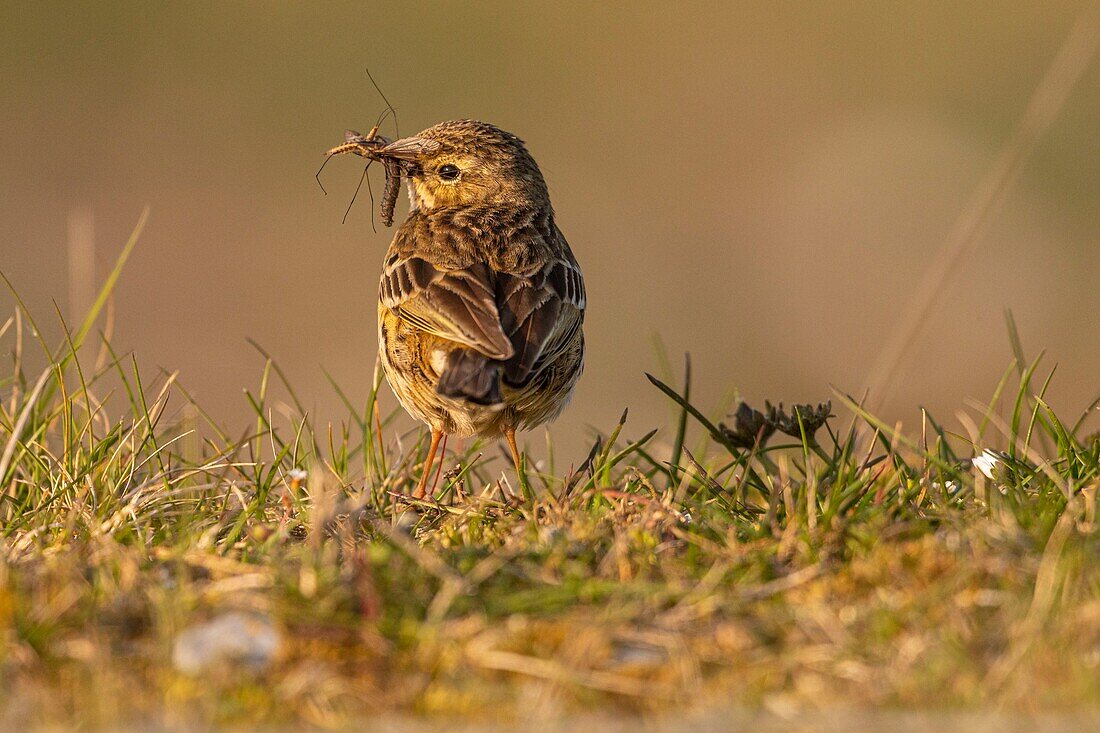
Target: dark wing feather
(457, 305)
(540, 314)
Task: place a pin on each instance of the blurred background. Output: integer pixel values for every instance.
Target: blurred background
(762, 184)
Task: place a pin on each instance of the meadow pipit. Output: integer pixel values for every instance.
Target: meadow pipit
(481, 300)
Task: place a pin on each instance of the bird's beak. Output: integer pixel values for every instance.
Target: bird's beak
(409, 149)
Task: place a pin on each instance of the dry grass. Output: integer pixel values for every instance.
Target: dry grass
(790, 574)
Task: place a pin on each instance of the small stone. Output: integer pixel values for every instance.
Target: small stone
(232, 640)
(635, 654)
(407, 520)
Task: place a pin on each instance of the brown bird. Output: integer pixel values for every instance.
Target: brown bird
(481, 300)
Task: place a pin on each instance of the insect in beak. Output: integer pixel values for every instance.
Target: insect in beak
(398, 157)
(409, 149)
(372, 147)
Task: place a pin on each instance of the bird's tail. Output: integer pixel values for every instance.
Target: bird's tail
(470, 376)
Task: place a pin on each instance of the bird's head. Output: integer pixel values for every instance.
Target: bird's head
(467, 163)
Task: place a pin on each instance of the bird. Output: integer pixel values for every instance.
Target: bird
(481, 302)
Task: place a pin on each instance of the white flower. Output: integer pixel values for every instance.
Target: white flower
(296, 474)
(951, 487)
(986, 462)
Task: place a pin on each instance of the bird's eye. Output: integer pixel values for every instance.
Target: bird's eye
(449, 172)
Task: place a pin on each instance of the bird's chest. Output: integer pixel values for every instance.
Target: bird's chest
(455, 245)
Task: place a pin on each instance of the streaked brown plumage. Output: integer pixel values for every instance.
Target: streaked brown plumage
(481, 300)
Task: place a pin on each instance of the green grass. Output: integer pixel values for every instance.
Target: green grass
(836, 564)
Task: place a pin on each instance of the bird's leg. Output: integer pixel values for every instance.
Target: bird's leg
(517, 459)
(437, 435)
(439, 471)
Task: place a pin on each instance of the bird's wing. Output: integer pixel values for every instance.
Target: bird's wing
(540, 312)
(455, 304)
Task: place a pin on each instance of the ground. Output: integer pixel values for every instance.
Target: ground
(156, 569)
